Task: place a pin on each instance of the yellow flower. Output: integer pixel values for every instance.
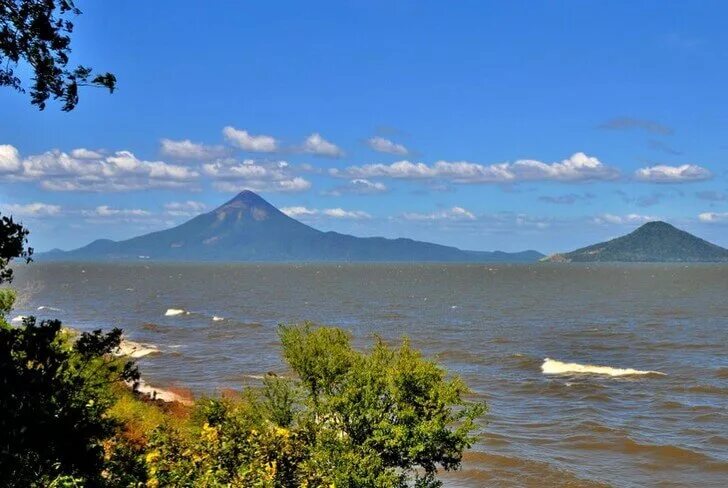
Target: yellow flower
(209, 433)
(152, 456)
(281, 432)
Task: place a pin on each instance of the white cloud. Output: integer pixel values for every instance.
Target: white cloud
(83, 153)
(624, 219)
(233, 176)
(36, 209)
(186, 149)
(106, 211)
(358, 186)
(9, 159)
(298, 211)
(340, 213)
(383, 145)
(578, 167)
(294, 184)
(335, 213)
(454, 213)
(315, 144)
(188, 208)
(249, 142)
(713, 217)
(59, 171)
(673, 174)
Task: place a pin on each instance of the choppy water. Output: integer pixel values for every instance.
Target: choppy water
(494, 325)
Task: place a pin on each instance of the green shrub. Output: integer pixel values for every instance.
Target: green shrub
(382, 418)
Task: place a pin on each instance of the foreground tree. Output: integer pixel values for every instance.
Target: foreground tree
(13, 244)
(37, 33)
(55, 392)
(382, 418)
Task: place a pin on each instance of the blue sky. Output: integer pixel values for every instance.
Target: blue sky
(485, 125)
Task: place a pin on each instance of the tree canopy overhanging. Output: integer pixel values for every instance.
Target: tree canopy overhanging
(37, 33)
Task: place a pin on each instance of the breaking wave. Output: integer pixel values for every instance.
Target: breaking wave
(136, 350)
(52, 309)
(162, 394)
(172, 312)
(552, 366)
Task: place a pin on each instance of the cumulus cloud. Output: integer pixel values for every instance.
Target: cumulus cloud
(187, 208)
(106, 211)
(335, 213)
(380, 144)
(317, 145)
(713, 217)
(627, 123)
(579, 167)
(454, 213)
(83, 153)
(249, 142)
(624, 219)
(9, 159)
(359, 186)
(186, 149)
(340, 213)
(233, 175)
(36, 209)
(59, 171)
(298, 211)
(673, 174)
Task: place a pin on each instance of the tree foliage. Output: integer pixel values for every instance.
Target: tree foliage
(55, 391)
(13, 244)
(38, 34)
(382, 418)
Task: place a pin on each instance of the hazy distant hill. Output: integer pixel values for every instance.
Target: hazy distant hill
(247, 228)
(652, 242)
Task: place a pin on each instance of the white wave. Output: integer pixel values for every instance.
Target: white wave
(552, 366)
(172, 312)
(216, 318)
(52, 309)
(17, 320)
(135, 349)
(160, 394)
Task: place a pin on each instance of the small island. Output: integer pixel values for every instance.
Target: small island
(657, 242)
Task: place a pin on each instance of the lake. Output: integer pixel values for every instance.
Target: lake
(664, 424)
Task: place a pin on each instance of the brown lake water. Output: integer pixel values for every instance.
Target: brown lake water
(494, 325)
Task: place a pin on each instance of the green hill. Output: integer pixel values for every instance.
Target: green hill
(652, 242)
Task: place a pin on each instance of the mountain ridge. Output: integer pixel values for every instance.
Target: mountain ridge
(249, 228)
(654, 241)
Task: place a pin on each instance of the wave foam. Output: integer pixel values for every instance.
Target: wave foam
(135, 349)
(52, 309)
(216, 318)
(161, 394)
(552, 366)
(172, 312)
(18, 319)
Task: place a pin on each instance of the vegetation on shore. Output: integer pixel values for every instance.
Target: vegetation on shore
(384, 417)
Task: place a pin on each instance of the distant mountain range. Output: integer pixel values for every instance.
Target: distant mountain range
(652, 242)
(248, 228)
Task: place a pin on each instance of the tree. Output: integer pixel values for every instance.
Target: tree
(13, 244)
(386, 417)
(37, 33)
(55, 391)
